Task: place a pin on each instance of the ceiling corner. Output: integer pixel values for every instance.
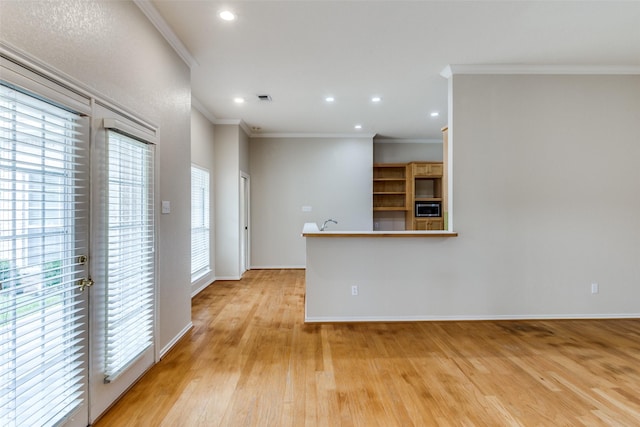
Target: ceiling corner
(161, 25)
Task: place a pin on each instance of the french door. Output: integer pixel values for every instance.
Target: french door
(123, 261)
(77, 252)
(44, 232)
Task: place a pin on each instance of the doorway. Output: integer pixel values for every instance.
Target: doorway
(244, 223)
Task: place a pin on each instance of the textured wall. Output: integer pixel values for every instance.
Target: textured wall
(113, 50)
(202, 154)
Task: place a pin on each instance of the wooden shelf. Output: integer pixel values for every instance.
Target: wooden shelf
(390, 187)
(388, 208)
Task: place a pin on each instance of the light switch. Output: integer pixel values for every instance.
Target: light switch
(166, 206)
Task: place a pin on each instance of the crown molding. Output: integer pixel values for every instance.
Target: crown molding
(227, 122)
(454, 69)
(407, 141)
(312, 135)
(195, 103)
(161, 25)
(245, 128)
(232, 122)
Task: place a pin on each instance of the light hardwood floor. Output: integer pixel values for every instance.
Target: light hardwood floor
(251, 361)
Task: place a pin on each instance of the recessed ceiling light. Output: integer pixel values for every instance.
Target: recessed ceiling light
(227, 15)
(329, 99)
(358, 126)
(376, 99)
(238, 100)
(435, 114)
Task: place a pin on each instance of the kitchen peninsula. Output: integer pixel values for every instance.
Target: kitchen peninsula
(354, 275)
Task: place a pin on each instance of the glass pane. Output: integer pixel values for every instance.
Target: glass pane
(130, 253)
(199, 222)
(41, 238)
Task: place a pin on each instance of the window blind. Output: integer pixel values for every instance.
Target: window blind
(130, 262)
(199, 223)
(43, 217)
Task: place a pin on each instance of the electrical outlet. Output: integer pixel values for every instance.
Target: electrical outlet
(595, 288)
(354, 290)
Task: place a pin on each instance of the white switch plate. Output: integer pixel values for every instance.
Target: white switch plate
(166, 206)
(595, 288)
(307, 209)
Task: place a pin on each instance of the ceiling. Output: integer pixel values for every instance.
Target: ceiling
(300, 52)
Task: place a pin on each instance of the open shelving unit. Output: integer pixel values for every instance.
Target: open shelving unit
(396, 189)
(390, 187)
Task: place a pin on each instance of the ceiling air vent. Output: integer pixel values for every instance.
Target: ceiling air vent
(264, 97)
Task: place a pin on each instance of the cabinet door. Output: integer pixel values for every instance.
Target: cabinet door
(427, 169)
(420, 224)
(421, 169)
(423, 224)
(435, 224)
(435, 170)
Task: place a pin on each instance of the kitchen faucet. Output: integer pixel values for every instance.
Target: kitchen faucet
(325, 224)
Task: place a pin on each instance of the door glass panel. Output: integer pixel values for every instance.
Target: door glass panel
(130, 253)
(43, 236)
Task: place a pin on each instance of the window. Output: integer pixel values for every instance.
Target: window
(200, 253)
(130, 255)
(43, 240)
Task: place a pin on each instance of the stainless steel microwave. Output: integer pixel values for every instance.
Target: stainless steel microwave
(428, 209)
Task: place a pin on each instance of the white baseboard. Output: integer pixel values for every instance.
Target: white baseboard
(278, 267)
(228, 278)
(175, 339)
(201, 288)
(339, 319)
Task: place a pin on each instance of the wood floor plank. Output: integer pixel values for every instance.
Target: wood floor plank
(251, 361)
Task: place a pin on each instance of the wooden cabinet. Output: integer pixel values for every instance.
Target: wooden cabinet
(424, 185)
(390, 187)
(428, 224)
(427, 169)
(396, 189)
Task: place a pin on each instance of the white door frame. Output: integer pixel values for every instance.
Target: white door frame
(245, 222)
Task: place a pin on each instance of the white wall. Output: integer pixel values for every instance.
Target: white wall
(405, 152)
(202, 154)
(111, 48)
(243, 147)
(227, 201)
(331, 175)
(546, 202)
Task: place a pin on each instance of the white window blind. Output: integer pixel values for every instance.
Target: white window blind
(199, 223)
(130, 252)
(42, 236)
